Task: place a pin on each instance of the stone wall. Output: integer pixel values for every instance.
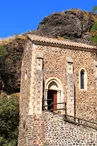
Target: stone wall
(31, 119)
(25, 92)
(59, 133)
(55, 66)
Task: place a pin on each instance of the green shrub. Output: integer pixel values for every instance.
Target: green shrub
(3, 51)
(9, 119)
(94, 39)
(94, 27)
(94, 10)
(3, 54)
(16, 57)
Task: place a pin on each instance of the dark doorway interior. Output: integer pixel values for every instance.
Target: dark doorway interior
(52, 100)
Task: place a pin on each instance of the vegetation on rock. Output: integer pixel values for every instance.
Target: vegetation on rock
(94, 9)
(10, 64)
(94, 27)
(94, 39)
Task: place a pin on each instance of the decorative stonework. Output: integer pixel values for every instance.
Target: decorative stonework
(39, 84)
(70, 86)
(33, 81)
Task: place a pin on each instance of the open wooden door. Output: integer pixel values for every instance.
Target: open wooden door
(52, 100)
(55, 100)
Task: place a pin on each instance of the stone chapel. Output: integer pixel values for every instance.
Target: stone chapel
(57, 76)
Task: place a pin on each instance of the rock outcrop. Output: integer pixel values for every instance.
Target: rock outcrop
(73, 24)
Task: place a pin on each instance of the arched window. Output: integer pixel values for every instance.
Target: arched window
(83, 79)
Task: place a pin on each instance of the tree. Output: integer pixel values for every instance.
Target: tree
(9, 119)
(94, 10)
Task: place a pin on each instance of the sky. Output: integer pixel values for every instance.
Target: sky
(19, 16)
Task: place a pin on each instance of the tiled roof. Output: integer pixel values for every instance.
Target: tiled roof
(40, 40)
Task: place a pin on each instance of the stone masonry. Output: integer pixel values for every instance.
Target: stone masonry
(70, 86)
(59, 133)
(31, 120)
(55, 65)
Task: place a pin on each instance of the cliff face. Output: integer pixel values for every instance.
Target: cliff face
(10, 64)
(73, 24)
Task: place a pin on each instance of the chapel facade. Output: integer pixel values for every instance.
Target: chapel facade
(57, 76)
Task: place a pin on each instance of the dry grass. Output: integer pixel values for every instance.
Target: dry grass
(60, 38)
(10, 39)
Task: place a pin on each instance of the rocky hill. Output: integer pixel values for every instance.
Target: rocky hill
(77, 25)
(72, 24)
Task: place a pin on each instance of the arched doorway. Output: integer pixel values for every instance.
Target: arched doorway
(53, 94)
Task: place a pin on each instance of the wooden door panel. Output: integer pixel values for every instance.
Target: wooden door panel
(55, 100)
(52, 100)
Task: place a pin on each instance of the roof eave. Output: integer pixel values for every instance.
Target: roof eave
(38, 40)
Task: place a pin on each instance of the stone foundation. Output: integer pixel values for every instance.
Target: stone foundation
(32, 131)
